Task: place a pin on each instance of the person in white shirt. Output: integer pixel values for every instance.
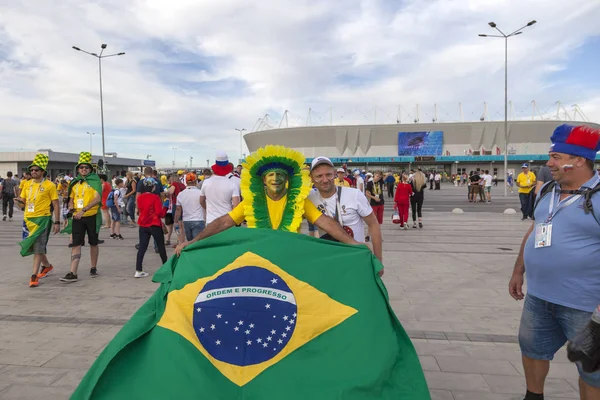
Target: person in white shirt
(235, 179)
(346, 205)
(189, 209)
(437, 179)
(487, 185)
(219, 194)
(360, 182)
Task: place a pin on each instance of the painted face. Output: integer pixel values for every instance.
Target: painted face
(323, 177)
(275, 181)
(557, 162)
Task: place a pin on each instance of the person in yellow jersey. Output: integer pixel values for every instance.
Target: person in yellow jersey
(526, 181)
(38, 196)
(84, 203)
(340, 181)
(275, 187)
(23, 182)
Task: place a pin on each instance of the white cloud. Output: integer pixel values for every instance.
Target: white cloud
(275, 55)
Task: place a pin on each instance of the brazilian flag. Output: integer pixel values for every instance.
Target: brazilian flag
(257, 314)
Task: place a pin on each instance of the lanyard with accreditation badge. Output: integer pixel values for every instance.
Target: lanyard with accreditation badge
(543, 231)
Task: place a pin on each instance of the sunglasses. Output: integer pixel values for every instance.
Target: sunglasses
(34, 170)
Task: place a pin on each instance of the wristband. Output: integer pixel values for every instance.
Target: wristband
(56, 222)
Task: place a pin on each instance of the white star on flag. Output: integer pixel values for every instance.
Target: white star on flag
(219, 316)
(284, 334)
(201, 329)
(259, 340)
(218, 342)
(236, 329)
(247, 332)
(269, 338)
(268, 306)
(294, 315)
(212, 327)
(226, 322)
(251, 326)
(273, 281)
(285, 317)
(280, 341)
(287, 328)
(249, 342)
(241, 322)
(291, 321)
(198, 309)
(273, 332)
(265, 345)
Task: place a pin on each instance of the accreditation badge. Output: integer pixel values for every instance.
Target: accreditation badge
(79, 203)
(543, 235)
(30, 207)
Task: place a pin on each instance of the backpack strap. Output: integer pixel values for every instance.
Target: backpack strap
(547, 187)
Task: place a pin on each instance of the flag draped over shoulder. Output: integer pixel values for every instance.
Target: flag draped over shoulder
(94, 181)
(256, 314)
(33, 227)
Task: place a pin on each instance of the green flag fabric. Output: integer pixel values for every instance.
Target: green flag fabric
(254, 314)
(94, 181)
(34, 227)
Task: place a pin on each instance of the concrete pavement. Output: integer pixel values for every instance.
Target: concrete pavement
(447, 283)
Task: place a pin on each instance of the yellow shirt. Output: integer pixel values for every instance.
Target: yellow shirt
(276, 208)
(38, 197)
(83, 191)
(343, 183)
(526, 180)
(23, 184)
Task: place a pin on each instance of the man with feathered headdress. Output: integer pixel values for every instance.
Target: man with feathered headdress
(275, 187)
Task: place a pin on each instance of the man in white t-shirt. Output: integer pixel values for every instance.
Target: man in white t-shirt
(487, 185)
(351, 209)
(236, 180)
(219, 194)
(189, 209)
(360, 182)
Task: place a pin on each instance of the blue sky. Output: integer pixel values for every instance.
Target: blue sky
(196, 70)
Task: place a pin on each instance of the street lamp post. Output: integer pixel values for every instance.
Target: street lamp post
(241, 133)
(505, 37)
(174, 148)
(100, 57)
(91, 134)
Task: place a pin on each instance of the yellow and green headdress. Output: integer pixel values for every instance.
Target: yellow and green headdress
(85, 157)
(40, 161)
(256, 165)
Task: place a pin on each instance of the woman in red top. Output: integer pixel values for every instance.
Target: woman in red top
(402, 200)
(106, 189)
(150, 210)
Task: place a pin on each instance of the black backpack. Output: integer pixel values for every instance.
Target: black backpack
(586, 193)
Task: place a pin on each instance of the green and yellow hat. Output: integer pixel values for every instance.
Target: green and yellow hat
(40, 161)
(85, 157)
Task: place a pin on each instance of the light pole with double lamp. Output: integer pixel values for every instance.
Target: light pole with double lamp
(241, 131)
(100, 57)
(173, 148)
(505, 37)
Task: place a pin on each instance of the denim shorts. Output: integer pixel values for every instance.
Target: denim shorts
(114, 213)
(546, 327)
(192, 228)
(311, 227)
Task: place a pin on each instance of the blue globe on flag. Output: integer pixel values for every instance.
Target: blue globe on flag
(245, 316)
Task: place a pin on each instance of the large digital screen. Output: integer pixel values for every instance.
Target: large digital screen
(428, 143)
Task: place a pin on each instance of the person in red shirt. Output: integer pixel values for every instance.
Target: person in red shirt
(106, 189)
(150, 212)
(402, 200)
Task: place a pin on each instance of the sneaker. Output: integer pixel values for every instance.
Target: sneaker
(415, 225)
(10, 219)
(100, 241)
(69, 278)
(113, 236)
(140, 274)
(33, 281)
(93, 272)
(406, 227)
(119, 237)
(45, 271)
(401, 226)
(4, 218)
(420, 224)
(168, 243)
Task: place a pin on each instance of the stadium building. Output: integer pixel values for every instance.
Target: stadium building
(453, 147)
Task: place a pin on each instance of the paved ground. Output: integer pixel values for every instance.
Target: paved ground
(447, 284)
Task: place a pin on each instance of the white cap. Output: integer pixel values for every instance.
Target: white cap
(221, 158)
(341, 170)
(369, 174)
(356, 172)
(320, 160)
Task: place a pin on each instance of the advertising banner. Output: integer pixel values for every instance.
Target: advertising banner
(428, 143)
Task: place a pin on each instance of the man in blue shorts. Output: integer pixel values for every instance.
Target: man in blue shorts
(560, 256)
